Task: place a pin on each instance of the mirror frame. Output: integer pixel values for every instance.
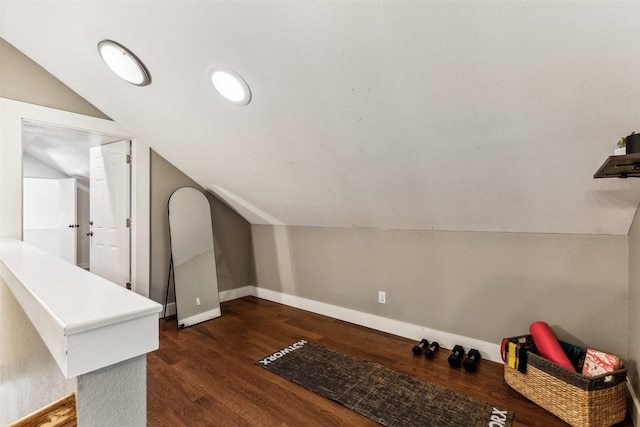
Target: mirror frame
(193, 257)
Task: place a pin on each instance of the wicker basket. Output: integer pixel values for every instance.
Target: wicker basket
(580, 401)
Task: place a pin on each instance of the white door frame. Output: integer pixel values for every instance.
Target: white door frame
(12, 115)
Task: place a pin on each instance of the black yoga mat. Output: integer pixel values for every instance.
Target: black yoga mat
(391, 398)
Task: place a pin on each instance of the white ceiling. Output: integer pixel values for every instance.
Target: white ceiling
(65, 150)
(480, 115)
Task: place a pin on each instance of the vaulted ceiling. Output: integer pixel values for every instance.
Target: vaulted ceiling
(436, 115)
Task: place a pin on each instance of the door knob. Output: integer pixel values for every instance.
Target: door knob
(90, 233)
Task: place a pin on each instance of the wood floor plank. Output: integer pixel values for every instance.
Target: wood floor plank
(61, 413)
(206, 375)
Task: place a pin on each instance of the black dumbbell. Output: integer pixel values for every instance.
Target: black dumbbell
(429, 351)
(455, 358)
(471, 362)
(417, 349)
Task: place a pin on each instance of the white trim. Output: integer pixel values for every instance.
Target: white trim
(237, 293)
(170, 310)
(633, 405)
(448, 340)
(224, 296)
(200, 317)
(13, 113)
(140, 213)
(88, 323)
(488, 350)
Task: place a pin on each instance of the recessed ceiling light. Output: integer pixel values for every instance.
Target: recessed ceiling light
(124, 63)
(230, 85)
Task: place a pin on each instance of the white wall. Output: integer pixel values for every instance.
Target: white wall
(34, 168)
(29, 376)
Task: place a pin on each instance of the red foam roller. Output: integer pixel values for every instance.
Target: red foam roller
(548, 345)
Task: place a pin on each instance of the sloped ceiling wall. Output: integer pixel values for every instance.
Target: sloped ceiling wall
(477, 116)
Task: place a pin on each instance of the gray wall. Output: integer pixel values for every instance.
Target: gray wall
(633, 351)
(475, 284)
(231, 233)
(24, 80)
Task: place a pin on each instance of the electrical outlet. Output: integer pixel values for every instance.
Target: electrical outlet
(197, 301)
(382, 297)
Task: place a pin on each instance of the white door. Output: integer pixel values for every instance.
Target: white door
(49, 216)
(109, 206)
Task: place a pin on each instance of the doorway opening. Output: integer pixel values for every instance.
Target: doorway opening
(63, 210)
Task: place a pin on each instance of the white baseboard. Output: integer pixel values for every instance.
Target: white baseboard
(224, 296)
(200, 317)
(170, 310)
(237, 293)
(633, 405)
(488, 350)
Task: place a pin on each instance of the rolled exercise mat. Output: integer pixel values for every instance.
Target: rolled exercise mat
(548, 345)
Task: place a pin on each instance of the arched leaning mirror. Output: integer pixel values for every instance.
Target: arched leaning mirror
(193, 257)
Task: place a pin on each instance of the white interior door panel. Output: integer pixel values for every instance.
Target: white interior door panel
(109, 211)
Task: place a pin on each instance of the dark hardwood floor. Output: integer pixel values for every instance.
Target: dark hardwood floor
(206, 375)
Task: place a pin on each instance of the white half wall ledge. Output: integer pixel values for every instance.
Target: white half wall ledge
(86, 322)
